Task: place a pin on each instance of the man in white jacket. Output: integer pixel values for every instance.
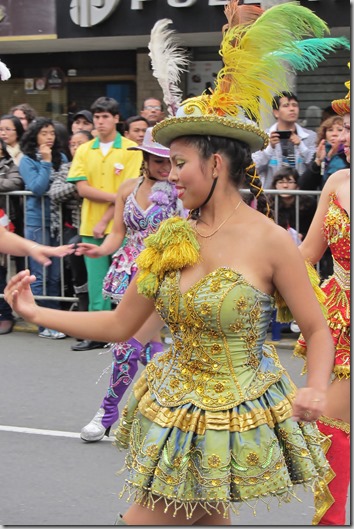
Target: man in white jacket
(289, 144)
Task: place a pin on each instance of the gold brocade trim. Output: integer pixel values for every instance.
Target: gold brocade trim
(199, 421)
(300, 352)
(335, 423)
(211, 119)
(326, 443)
(335, 325)
(341, 371)
(144, 496)
(341, 275)
(140, 387)
(323, 499)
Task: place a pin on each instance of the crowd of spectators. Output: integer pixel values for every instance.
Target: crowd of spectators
(39, 154)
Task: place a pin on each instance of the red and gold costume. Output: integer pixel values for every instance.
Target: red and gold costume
(336, 228)
(337, 287)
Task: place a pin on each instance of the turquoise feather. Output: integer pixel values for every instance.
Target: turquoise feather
(306, 54)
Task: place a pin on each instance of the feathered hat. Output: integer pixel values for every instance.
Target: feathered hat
(342, 106)
(150, 146)
(168, 61)
(259, 48)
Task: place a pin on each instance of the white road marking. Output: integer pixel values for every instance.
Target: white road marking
(53, 433)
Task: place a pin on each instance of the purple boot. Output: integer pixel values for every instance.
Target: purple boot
(124, 367)
(149, 351)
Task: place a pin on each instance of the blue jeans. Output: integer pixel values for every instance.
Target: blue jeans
(51, 274)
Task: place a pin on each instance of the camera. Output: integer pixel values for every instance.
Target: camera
(284, 134)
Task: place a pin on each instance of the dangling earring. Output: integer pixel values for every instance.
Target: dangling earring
(146, 173)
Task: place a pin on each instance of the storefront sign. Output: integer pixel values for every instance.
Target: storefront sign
(88, 13)
(104, 18)
(55, 78)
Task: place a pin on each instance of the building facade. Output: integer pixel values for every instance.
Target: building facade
(63, 54)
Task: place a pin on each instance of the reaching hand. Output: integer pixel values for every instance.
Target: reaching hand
(99, 229)
(295, 139)
(18, 295)
(274, 139)
(309, 404)
(41, 253)
(91, 250)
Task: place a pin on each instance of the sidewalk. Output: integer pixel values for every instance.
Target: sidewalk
(287, 341)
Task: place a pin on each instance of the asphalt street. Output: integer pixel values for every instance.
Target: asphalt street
(49, 476)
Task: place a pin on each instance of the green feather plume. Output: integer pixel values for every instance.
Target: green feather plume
(253, 71)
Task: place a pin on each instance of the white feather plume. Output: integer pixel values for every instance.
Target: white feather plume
(4, 72)
(168, 61)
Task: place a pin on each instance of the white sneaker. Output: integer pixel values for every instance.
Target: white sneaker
(52, 334)
(94, 430)
(294, 327)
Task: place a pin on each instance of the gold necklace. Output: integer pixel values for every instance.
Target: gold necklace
(221, 225)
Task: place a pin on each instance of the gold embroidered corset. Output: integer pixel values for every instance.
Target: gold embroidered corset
(218, 358)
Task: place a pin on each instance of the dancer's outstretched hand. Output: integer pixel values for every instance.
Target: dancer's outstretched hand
(91, 250)
(19, 295)
(42, 253)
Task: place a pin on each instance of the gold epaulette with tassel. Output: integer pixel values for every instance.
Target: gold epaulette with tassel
(283, 314)
(172, 247)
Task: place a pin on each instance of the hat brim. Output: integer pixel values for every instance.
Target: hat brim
(164, 153)
(341, 106)
(169, 129)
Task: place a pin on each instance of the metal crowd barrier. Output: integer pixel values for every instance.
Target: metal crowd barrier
(10, 265)
(9, 260)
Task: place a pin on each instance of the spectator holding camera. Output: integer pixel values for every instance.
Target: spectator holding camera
(289, 143)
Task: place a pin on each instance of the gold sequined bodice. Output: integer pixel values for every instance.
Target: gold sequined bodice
(218, 358)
